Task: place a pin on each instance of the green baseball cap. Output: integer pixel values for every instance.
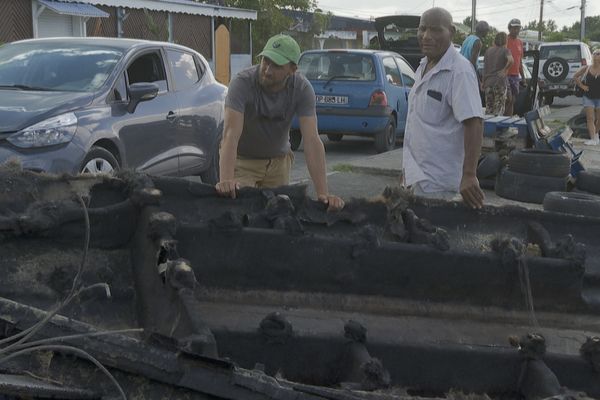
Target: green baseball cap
(282, 49)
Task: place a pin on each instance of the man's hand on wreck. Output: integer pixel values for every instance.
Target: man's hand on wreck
(228, 188)
(471, 192)
(333, 202)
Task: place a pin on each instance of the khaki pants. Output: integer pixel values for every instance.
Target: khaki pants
(264, 173)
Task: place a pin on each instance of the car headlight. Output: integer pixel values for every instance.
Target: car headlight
(55, 130)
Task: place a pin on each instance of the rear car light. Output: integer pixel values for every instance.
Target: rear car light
(378, 98)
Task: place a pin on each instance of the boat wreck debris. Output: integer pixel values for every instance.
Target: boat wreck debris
(158, 288)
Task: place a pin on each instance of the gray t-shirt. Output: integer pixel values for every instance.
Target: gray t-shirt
(268, 116)
(494, 60)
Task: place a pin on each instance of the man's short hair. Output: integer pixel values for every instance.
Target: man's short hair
(482, 27)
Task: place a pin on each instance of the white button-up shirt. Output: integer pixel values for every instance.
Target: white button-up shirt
(438, 103)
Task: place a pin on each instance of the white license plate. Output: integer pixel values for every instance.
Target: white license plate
(321, 99)
(553, 87)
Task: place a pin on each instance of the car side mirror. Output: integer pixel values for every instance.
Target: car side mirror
(138, 92)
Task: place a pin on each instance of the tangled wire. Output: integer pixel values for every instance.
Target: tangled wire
(17, 345)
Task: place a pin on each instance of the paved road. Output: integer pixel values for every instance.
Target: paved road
(353, 148)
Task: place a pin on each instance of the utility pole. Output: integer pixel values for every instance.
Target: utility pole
(540, 25)
(473, 16)
(582, 20)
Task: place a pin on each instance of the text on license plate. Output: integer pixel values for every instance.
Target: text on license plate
(321, 99)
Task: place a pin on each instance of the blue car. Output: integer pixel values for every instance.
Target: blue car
(358, 92)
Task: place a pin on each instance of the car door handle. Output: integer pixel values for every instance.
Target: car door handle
(171, 116)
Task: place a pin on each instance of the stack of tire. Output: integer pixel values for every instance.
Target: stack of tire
(531, 173)
(580, 202)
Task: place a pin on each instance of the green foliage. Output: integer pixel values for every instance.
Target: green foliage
(592, 29)
(270, 20)
(547, 26)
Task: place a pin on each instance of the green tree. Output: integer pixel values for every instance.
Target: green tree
(592, 29)
(270, 20)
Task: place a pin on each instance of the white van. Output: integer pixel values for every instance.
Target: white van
(558, 63)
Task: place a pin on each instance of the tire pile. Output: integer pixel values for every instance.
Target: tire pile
(580, 202)
(531, 173)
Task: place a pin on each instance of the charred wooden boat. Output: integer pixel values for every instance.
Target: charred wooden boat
(182, 294)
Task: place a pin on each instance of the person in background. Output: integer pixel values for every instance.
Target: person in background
(444, 127)
(588, 79)
(496, 62)
(471, 46)
(515, 72)
(260, 105)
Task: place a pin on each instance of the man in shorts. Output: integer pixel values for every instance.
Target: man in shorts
(260, 105)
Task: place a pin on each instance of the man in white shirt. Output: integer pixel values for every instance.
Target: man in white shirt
(444, 128)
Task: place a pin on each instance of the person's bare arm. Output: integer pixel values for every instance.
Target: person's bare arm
(475, 52)
(314, 153)
(509, 62)
(577, 78)
(232, 130)
(469, 185)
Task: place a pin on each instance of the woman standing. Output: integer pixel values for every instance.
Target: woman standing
(496, 61)
(588, 79)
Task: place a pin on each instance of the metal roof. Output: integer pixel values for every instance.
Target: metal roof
(176, 6)
(79, 10)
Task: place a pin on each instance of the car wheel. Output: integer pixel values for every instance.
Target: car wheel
(211, 174)
(334, 138)
(589, 180)
(573, 203)
(295, 139)
(99, 161)
(556, 69)
(386, 139)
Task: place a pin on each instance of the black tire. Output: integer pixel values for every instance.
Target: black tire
(97, 160)
(573, 203)
(334, 137)
(295, 140)
(488, 165)
(556, 69)
(386, 139)
(211, 174)
(540, 162)
(589, 180)
(578, 125)
(527, 188)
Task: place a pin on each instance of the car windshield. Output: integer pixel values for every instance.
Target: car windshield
(337, 65)
(64, 67)
(568, 52)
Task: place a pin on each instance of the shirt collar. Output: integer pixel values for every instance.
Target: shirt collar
(445, 63)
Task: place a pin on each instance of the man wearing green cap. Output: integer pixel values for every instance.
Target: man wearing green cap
(260, 105)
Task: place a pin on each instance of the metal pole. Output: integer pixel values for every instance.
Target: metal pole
(540, 25)
(473, 7)
(582, 20)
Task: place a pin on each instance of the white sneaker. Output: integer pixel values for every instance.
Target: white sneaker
(592, 142)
